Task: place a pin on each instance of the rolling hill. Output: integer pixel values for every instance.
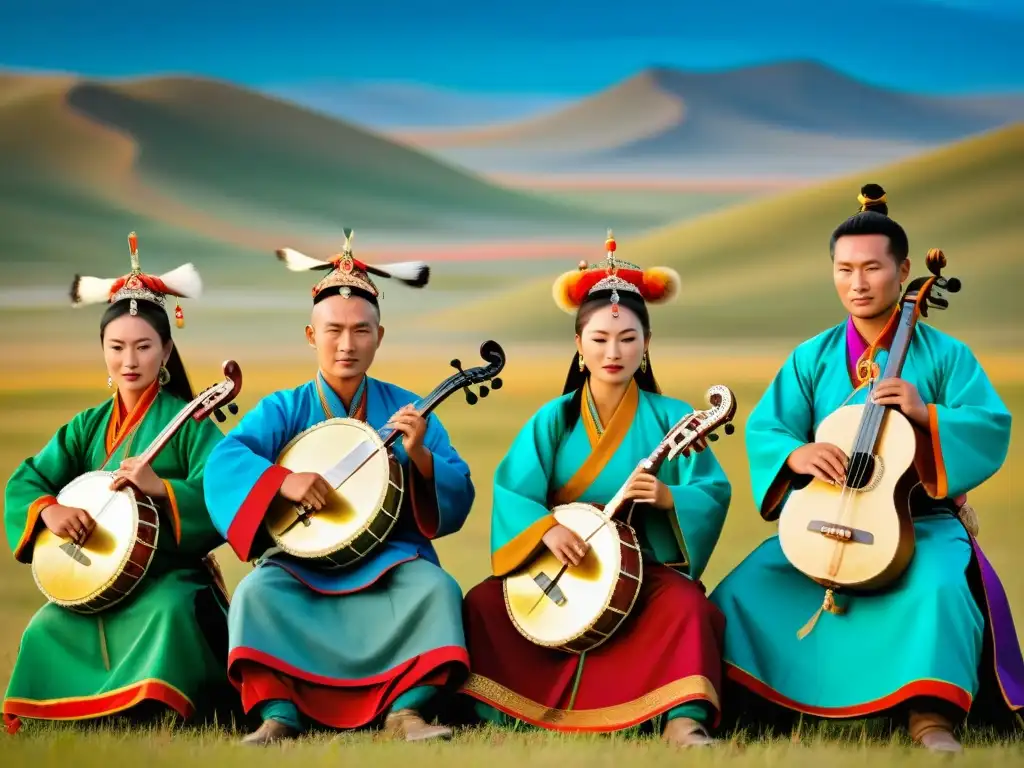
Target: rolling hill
(760, 270)
(788, 119)
(202, 165)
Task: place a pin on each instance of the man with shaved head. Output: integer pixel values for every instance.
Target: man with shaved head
(345, 647)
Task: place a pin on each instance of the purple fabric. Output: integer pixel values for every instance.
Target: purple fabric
(855, 347)
(1009, 665)
(1008, 662)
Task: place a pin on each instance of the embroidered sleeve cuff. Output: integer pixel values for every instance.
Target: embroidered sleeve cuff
(23, 552)
(928, 459)
(514, 554)
(243, 529)
(172, 508)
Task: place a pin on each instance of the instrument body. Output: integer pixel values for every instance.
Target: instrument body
(577, 608)
(119, 551)
(368, 481)
(352, 523)
(882, 541)
(115, 557)
(861, 536)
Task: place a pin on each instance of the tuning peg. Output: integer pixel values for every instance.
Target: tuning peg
(953, 284)
(233, 407)
(495, 383)
(470, 397)
(713, 438)
(729, 429)
(219, 415)
(484, 391)
(456, 364)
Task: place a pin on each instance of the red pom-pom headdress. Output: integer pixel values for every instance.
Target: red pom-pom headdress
(347, 276)
(656, 285)
(183, 282)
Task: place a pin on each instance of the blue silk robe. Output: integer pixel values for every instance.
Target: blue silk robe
(922, 636)
(350, 640)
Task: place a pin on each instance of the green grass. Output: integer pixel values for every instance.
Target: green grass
(761, 269)
(849, 747)
(482, 434)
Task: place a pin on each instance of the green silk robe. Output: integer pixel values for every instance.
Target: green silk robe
(166, 643)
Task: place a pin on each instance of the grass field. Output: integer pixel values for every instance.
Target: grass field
(482, 434)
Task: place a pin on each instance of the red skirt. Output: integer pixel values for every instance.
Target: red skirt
(666, 653)
(353, 705)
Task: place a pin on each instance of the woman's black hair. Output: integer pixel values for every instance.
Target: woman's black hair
(576, 378)
(873, 219)
(155, 315)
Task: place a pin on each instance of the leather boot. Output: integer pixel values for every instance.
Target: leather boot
(685, 732)
(270, 732)
(933, 732)
(407, 724)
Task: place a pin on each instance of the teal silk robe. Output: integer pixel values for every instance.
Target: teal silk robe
(340, 644)
(167, 643)
(922, 636)
(546, 455)
(665, 659)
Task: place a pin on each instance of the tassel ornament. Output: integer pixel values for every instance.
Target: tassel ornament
(829, 604)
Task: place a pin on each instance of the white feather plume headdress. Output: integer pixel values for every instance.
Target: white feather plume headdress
(349, 275)
(183, 282)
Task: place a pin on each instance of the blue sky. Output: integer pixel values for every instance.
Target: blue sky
(529, 46)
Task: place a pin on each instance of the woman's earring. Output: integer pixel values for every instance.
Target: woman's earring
(110, 382)
(164, 376)
(643, 363)
(581, 364)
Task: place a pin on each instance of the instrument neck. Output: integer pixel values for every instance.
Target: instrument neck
(871, 420)
(169, 431)
(424, 406)
(649, 466)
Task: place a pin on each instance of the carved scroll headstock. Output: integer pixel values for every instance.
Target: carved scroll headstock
(931, 292)
(704, 424)
(213, 398)
(489, 350)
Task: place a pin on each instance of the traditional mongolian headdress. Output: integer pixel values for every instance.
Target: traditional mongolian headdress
(183, 282)
(656, 285)
(349, 277)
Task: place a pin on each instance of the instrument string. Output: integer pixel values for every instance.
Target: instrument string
(147, 456)
(608, 518)
(863, 447)
(847, 494)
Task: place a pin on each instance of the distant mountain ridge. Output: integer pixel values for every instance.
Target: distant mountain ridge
(794, 117)
(410, 106)
(200, 165)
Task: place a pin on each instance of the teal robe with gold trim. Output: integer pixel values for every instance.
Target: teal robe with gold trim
(924, 635)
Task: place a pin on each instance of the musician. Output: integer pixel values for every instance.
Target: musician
(165, 646)
(383, 637)
(664, 659)
(913, 651)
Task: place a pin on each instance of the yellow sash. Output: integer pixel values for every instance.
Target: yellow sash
(602, 446)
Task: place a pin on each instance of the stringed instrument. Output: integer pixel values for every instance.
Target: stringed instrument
(860, 535)
(581, 606)
(354, 458)
(117, 553)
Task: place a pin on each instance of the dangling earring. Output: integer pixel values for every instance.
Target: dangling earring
(164, 376)
(643, 363)
(581, 364)
(110, 382)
